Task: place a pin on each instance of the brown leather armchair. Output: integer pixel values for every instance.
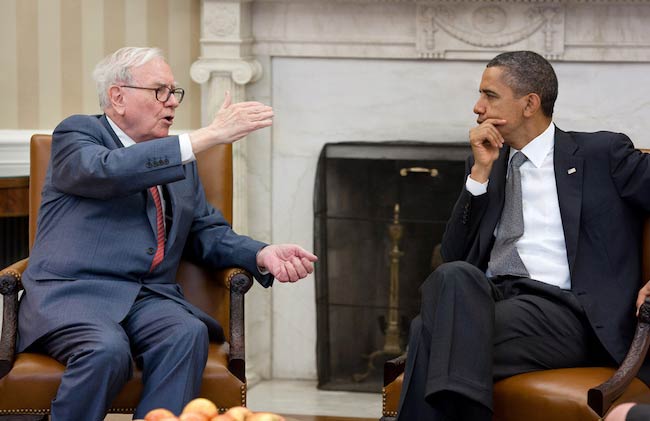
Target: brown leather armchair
(569, 394)
(29, 381)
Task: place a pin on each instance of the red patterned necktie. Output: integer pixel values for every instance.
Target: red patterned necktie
(160, 229)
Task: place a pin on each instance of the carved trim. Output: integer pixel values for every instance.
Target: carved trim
(220, 21)
(488, 26)
(242, 72)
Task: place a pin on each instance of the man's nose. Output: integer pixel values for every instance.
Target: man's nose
(479, 108)
(172, 101)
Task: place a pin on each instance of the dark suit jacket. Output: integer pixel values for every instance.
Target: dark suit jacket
(602, 204)
(96, 229)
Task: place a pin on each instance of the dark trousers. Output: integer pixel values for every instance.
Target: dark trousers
(639, 412)
(163, 338)
(472, 331)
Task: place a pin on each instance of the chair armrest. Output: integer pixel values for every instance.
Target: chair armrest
(600, 398)
(238, 281)
(10, 285)
(393, 368)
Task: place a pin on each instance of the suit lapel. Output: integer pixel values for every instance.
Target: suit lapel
(109, 129)
(569, 178)
(150, 205)
(176, 213)
(496, 195)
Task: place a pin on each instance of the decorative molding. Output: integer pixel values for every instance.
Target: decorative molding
(567, 30)
(241, 71)
(473, 26)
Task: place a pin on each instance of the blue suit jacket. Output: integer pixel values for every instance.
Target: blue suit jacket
(96, 229)
(603, 204)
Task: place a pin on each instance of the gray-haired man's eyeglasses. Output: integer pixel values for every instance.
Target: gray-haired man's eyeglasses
(163, 93)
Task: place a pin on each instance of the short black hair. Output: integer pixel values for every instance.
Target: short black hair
(528, 72)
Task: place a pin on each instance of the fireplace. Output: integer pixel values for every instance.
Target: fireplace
(380, 211)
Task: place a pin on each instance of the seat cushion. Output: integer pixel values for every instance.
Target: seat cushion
(34, 379)
(556, 395)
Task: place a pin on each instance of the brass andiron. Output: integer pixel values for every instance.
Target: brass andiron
(392, 346)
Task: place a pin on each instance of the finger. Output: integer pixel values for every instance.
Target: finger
(307, 264)
(307, 255)
(291, 272)
(226, 102)
(300, 268)
(494, 121)
(281, 274)
(267, 115)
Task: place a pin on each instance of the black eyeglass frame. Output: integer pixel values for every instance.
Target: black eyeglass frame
(161, 89)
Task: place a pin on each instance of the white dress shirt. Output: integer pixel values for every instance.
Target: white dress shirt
(542, 247)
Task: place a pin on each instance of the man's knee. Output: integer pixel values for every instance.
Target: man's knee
(111, 356)
(191, 333)
(455, 276)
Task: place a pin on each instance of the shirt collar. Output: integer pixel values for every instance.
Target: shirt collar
(124, 138)
(538, 149)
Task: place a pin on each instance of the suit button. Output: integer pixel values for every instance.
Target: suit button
(150, 251)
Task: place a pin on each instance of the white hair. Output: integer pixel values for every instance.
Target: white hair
(117, 68)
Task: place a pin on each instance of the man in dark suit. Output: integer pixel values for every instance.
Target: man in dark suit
(542, 251)
(122, 201)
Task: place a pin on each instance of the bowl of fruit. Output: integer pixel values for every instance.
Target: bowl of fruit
(201, 409)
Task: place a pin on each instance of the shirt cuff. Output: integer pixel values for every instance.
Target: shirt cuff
(475, 188)
(261, 269)
(187, 154)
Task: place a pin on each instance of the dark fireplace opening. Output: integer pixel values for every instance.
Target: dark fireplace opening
(380, 209)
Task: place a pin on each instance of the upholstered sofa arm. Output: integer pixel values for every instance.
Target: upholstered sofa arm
(238, 281)
(600, 398)
(10, 285)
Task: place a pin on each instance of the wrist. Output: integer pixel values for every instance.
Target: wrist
(480, 173)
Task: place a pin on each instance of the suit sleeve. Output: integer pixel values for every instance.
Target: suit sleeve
(463, 224)
(82, 164)
(212, 240)
(630, 170)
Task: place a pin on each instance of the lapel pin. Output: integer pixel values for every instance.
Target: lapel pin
(571, 171)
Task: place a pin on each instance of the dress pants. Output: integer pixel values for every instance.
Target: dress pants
(472, 331)
(163, 338)
(639, 412)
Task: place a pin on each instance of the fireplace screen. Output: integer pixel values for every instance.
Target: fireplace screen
(380, 211)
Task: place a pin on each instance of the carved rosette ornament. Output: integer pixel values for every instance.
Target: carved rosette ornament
(473, 26)
(220, 21)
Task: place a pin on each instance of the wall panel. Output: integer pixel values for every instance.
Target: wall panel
(50, 47)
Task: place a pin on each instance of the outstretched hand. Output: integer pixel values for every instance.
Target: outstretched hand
(232, 122)
(286, 262)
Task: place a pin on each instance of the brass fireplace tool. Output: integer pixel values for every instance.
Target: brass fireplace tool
(392, 346)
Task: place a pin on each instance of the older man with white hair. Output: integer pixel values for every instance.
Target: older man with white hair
(100, 289)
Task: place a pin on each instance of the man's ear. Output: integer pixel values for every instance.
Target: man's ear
(533, 104)
(116, 99)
